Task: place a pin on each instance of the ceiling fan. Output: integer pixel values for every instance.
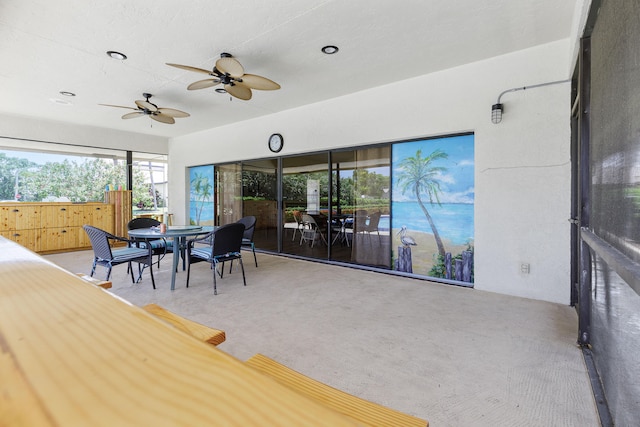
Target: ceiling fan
(146, 108)
(230, 73)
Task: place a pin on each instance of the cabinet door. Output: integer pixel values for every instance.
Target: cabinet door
(103, 218)
(55, 216)
(59, 238)
(30, 239)
(19, 217)
(100, 216)
(5, 219)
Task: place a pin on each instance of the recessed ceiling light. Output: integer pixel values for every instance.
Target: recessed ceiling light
(117, 55)
(330, 50)
(65, 93)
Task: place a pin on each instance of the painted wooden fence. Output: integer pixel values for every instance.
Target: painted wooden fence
(455, 269)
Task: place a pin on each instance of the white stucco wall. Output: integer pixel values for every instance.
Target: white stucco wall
(522, 165)
(50, 131)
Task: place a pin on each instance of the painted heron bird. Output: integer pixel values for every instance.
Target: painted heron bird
(406, 240)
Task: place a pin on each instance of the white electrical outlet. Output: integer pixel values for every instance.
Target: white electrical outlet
(525, 268)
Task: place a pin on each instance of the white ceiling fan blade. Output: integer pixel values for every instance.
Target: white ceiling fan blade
(146, 105)
(171, 112)
(118, 106)
(258, 82)
(163, 119)
(133, 115)
(230, 66)
(189, 68)
(202, 84)
(239, 91)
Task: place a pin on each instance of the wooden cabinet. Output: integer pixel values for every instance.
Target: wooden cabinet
(28, 238)
(53, 227)
(19, 223)
(98, 215)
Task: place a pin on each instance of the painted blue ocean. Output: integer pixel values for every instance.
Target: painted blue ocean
(207, 211)
(454, 221)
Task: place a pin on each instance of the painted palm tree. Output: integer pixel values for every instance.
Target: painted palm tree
(202, 188)
(421, 176)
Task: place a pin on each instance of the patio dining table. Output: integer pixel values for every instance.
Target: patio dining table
(179, 233)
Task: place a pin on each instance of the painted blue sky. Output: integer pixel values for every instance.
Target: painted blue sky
(457, 183)
(206, 171)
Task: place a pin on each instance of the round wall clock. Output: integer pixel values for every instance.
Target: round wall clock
(276, 142)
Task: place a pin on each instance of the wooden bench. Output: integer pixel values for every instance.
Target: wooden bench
(197, 330)
(363, 411)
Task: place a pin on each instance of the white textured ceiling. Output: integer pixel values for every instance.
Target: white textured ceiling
(51, 46)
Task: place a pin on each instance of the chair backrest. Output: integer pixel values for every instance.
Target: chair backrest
(136, 223)
(99, 242)
(308, 220)
(249, 227)
(298, 217)
(227, 238)
(360, 220)
(374, 220)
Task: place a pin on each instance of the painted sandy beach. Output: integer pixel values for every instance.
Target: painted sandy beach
(425, 253)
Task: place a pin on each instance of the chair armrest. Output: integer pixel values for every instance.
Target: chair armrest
(120, 239)
(190, 242)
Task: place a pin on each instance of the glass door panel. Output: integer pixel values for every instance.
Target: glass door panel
(305, 191)
(228, 193)
(260, 199)
(361, 206)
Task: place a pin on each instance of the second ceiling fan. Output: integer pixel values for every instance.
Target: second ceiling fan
(230, 73)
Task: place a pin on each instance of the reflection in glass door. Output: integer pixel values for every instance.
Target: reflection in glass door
(361, 206)
(227, 193)
(305, 191)
(260, 199)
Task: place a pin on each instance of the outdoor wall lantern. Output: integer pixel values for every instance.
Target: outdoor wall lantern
(498, 108)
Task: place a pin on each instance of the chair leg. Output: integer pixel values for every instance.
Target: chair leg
(133, 280)
(242, 267)
(93, 268)
(188, 272)
(253, 248)
(153, 281)
(323, 238)
(215, 289)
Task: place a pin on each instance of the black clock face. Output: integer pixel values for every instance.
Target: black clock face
(275, 142)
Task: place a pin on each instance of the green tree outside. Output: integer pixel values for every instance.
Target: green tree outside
(79, 181)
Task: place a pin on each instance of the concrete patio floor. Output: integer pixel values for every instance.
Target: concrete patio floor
(454, 356)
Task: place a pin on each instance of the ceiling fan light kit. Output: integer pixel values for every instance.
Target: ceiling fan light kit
(229, 73)
(147, 108)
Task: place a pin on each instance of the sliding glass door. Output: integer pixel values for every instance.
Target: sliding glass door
(260, 199)
(305, 192)
(361, 206)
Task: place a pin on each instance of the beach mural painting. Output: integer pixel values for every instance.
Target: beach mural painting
(201, 195)
(432, 206)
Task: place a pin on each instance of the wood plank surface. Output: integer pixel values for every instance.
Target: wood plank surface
(361, 410)
(75, 355)
(195, 329)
